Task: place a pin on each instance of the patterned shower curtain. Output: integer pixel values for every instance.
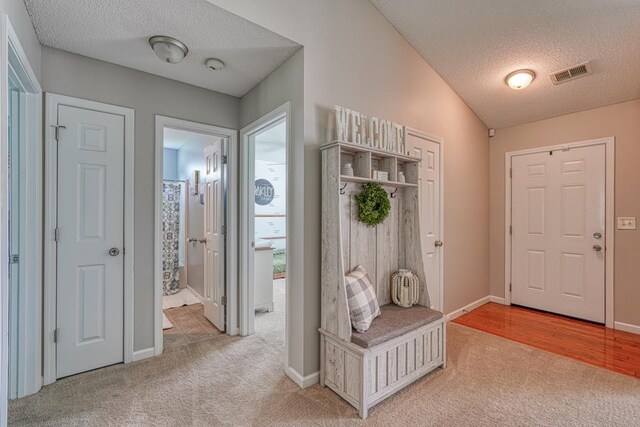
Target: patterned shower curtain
(171, 236)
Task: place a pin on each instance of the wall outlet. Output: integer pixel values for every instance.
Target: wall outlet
(626, 223)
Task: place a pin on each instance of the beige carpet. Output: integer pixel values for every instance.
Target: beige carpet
(239, 381)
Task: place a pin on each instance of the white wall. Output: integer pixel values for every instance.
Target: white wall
(23, 27)
(354, 57)
(82, 77)
(170, 163)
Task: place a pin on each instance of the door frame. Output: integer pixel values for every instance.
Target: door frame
(51, 219)
(26, 319)
(609, 143)
(440, 141)
(231, 247)
(246, 251)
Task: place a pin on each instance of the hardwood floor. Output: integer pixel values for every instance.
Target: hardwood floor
(587, 342)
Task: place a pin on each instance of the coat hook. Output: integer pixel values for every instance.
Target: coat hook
(342, 188)
(393, 195)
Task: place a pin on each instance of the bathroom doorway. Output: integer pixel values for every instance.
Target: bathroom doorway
(191, 232)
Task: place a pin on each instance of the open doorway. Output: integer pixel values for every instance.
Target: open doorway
(263, 295)
(191, 227)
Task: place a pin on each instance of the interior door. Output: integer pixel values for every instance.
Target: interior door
(90, 265)
(558, 220)
(429, 192)
(214, 283)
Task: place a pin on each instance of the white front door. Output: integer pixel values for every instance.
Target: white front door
(214, 237)
(558, 220)
(429, 191)
(90, 266)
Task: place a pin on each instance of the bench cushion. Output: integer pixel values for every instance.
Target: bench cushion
(393, 322)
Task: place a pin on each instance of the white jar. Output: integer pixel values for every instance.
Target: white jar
(347, 169)
(401, 176)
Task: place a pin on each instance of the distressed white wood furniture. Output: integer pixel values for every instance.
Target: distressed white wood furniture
(263, 278)
(365, 375)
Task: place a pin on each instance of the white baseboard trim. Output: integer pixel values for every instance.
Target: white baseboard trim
(627, 327)
(459, 312)
(143, 354)
(497, 300)
(303, 382)
(196, 293)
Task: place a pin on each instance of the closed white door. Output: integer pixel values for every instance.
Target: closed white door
(214, 236)
(429, 191)
(90, 266)
(558, 243)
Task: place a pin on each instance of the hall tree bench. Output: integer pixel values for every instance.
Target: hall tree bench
(402, 344)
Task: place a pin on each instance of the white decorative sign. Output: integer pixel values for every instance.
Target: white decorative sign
(352, 126)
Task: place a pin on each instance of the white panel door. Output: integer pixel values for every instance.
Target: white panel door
(429, 191)
(90, 261)
(558, 220)
(214, 236)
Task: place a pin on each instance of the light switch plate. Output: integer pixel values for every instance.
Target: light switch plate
(626, 223)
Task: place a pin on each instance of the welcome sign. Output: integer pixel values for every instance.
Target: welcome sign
(352, 126)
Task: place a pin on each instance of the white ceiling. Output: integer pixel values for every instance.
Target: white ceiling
(175, 139)
(473, 45)
(117, 31)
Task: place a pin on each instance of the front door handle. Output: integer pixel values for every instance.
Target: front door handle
(438, 243)
(114, 251)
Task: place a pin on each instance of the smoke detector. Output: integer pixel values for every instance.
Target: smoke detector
(571, 73)
(215, 64)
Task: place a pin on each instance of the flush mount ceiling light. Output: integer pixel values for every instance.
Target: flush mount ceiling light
(520, 79)
(168, 49)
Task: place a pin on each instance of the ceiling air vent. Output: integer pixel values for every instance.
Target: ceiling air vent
(571, 73)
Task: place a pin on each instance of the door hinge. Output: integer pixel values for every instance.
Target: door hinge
(225, 159)
(56, 234)
(223, 300)
(510, 173)
(55, 335)
(511, 229)
(510, 286)
(224, 230)
(57, 131)
(14, 259)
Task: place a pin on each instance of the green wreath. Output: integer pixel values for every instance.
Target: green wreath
(373, 205)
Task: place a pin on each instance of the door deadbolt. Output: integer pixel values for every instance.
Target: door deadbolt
(597, 235)
(114, 251)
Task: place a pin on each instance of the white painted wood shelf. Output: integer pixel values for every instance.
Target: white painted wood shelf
(348, 178)
(366, 376)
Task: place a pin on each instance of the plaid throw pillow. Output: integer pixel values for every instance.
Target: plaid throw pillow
(363, 303)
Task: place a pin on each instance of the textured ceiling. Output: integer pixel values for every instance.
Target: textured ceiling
(117, 31)
(175, 139)
(473, 45)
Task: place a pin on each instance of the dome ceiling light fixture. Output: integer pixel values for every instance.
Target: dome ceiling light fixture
(520, 79)
(168, 49)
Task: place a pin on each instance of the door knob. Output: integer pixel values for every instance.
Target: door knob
(203, 241)
(438, 243)
(114, 251)
(597, 248)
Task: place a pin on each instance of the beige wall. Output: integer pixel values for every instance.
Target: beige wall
(74, 75)
(354, 57)
(621, 121)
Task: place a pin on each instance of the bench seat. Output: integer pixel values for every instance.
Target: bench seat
(393, 322)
